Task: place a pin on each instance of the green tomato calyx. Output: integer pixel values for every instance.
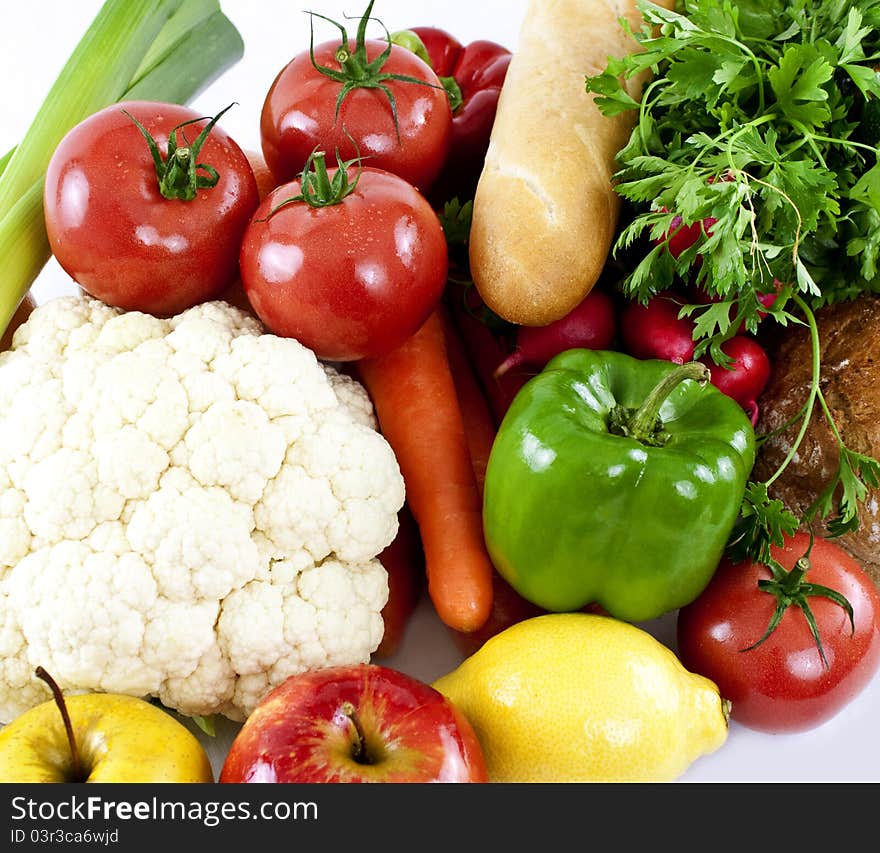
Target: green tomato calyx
(178, 172)
(356, 71)
(317, 188)
(790, 588)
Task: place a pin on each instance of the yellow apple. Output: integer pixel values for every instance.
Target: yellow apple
(116, 739)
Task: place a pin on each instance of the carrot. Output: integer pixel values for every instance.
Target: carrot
(486, 351)
(479, 424)
(508, 606)
(418, 412)
(405, 563)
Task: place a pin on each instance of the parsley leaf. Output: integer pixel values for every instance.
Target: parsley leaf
(797, 82)
(763, 522)
(762, 116)
(456, 221)
(856, 473)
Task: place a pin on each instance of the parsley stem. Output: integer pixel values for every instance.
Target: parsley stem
(830, 419)
(738, 132)
(644, 109)
(847, 143)
(814, 388)
(783, 427)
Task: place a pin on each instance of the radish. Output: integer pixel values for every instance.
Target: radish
(681, 237)
(591, 325)
(746, 378)
(655, 330)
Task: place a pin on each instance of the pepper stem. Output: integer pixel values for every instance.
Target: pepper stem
(58, 696)
(643, 423)
(411, 42)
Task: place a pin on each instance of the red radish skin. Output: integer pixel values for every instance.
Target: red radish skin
(591, 325)
(748, 375)
(655, 330)
(681, 237)
(753, 412)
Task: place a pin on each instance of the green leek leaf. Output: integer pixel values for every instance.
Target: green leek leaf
(162, 50)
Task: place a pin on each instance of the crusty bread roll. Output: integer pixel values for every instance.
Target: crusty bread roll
(545, 213)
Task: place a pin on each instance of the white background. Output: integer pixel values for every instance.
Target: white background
(35, 41)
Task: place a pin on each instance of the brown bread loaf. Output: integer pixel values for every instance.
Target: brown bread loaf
(850, 380)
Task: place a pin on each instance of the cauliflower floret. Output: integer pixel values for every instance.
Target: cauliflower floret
(353, 396)
(190, 509)
(307, 621)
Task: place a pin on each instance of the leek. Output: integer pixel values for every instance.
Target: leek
(5, 159)
(163, 50)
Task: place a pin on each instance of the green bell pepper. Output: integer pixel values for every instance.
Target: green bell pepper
(615, 481)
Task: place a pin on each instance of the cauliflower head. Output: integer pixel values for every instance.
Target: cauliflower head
(190, 509)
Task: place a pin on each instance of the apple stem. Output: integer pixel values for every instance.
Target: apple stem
(68, 726)
(359, 747)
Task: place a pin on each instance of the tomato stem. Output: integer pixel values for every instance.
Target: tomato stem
(317, 188)
(790, 588)
(178, 172)
(321, 178)
(356, 71)
(350, 63)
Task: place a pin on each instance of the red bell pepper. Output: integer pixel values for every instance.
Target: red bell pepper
(472, 75)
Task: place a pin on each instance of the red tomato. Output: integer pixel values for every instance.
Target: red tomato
(300, 114)
(119, 238)
(783, 685)
(350, 280)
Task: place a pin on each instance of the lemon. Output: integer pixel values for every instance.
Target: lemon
(576, 697)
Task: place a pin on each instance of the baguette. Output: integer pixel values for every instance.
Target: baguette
(545, 212)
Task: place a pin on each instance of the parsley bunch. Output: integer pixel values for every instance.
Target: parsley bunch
(763, 115)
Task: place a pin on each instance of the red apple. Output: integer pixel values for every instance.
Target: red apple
(360, 723)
